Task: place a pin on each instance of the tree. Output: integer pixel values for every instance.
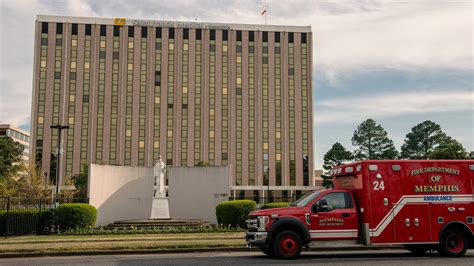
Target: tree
(422, 140)
(80, 182)
(336, 156)
(34, 184)
(10, 157)
(449, 149)
(202, 164)
(373, 143)
(9, 187)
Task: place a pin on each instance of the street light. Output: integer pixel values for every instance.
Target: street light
(58, 156)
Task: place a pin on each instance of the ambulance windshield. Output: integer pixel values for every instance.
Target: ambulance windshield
(306, 198)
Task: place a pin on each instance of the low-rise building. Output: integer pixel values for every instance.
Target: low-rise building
(19, 135)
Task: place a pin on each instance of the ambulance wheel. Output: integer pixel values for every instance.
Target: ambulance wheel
(418, 250)
(267, 251)
(453, 243)
(287, 245)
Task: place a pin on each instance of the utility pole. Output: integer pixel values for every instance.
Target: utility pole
(58, 156)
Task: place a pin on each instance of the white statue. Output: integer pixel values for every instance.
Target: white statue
(159, 172)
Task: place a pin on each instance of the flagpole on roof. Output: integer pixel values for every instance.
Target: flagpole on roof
(264, 13)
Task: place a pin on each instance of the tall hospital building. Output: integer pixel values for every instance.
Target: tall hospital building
(194, 93)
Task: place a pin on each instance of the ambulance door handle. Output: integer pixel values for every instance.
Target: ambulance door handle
(346, 215)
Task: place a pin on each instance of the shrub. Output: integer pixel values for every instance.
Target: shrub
(275, 205)
(155, 230)
(75, 215)
(25, 222)
(234, 213)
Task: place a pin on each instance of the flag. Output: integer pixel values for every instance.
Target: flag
(263, 13)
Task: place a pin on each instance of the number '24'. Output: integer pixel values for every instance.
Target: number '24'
(379, 185)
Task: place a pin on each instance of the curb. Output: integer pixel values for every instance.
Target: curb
(177, 251)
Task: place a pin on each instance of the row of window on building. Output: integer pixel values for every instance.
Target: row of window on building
(14, 134)
(171, 33)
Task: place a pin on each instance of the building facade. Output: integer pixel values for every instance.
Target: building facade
(19, 135)
(194, 93)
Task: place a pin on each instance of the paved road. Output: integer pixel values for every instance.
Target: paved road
(386, 257)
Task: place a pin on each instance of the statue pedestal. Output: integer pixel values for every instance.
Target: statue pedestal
(160, 208)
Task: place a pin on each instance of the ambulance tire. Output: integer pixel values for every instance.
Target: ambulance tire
(267, 251)
(454, 243)
(418, 250)
(287, 245)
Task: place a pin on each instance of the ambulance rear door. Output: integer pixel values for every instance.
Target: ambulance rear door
(381, 228)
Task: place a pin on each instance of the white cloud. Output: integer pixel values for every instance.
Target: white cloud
(348, 35)
(352, 108)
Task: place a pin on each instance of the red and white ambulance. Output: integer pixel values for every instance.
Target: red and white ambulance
(421, 204)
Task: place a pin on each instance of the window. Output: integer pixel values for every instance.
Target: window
(251, 36)
(277, 37)
(158, 32)
(74, 29)
(103, 30)
(88, 29)
(291, 37)
(171, 33)
(213, 34)
(265, 36)
(239, 36)
(198, 34)
(185, 34)
(44, 27)
(131, 31)
(225, 37)
(337, 200)
(116, 31)
(303, 37)
(59, 28)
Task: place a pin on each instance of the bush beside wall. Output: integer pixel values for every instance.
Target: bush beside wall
(75, 215)
(234, 213)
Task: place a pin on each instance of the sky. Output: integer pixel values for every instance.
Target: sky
(397, 62)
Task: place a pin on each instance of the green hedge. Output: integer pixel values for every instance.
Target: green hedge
(75, 215)
(275, 205)
(26, 222)
(156, 230)
(234, 213)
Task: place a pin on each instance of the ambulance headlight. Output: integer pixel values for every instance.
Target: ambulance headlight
(262, 222)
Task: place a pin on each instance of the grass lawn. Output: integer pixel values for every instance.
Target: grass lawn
(59, 243)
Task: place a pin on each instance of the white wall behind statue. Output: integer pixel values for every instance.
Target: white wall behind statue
(120, 192)
(194, 192)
